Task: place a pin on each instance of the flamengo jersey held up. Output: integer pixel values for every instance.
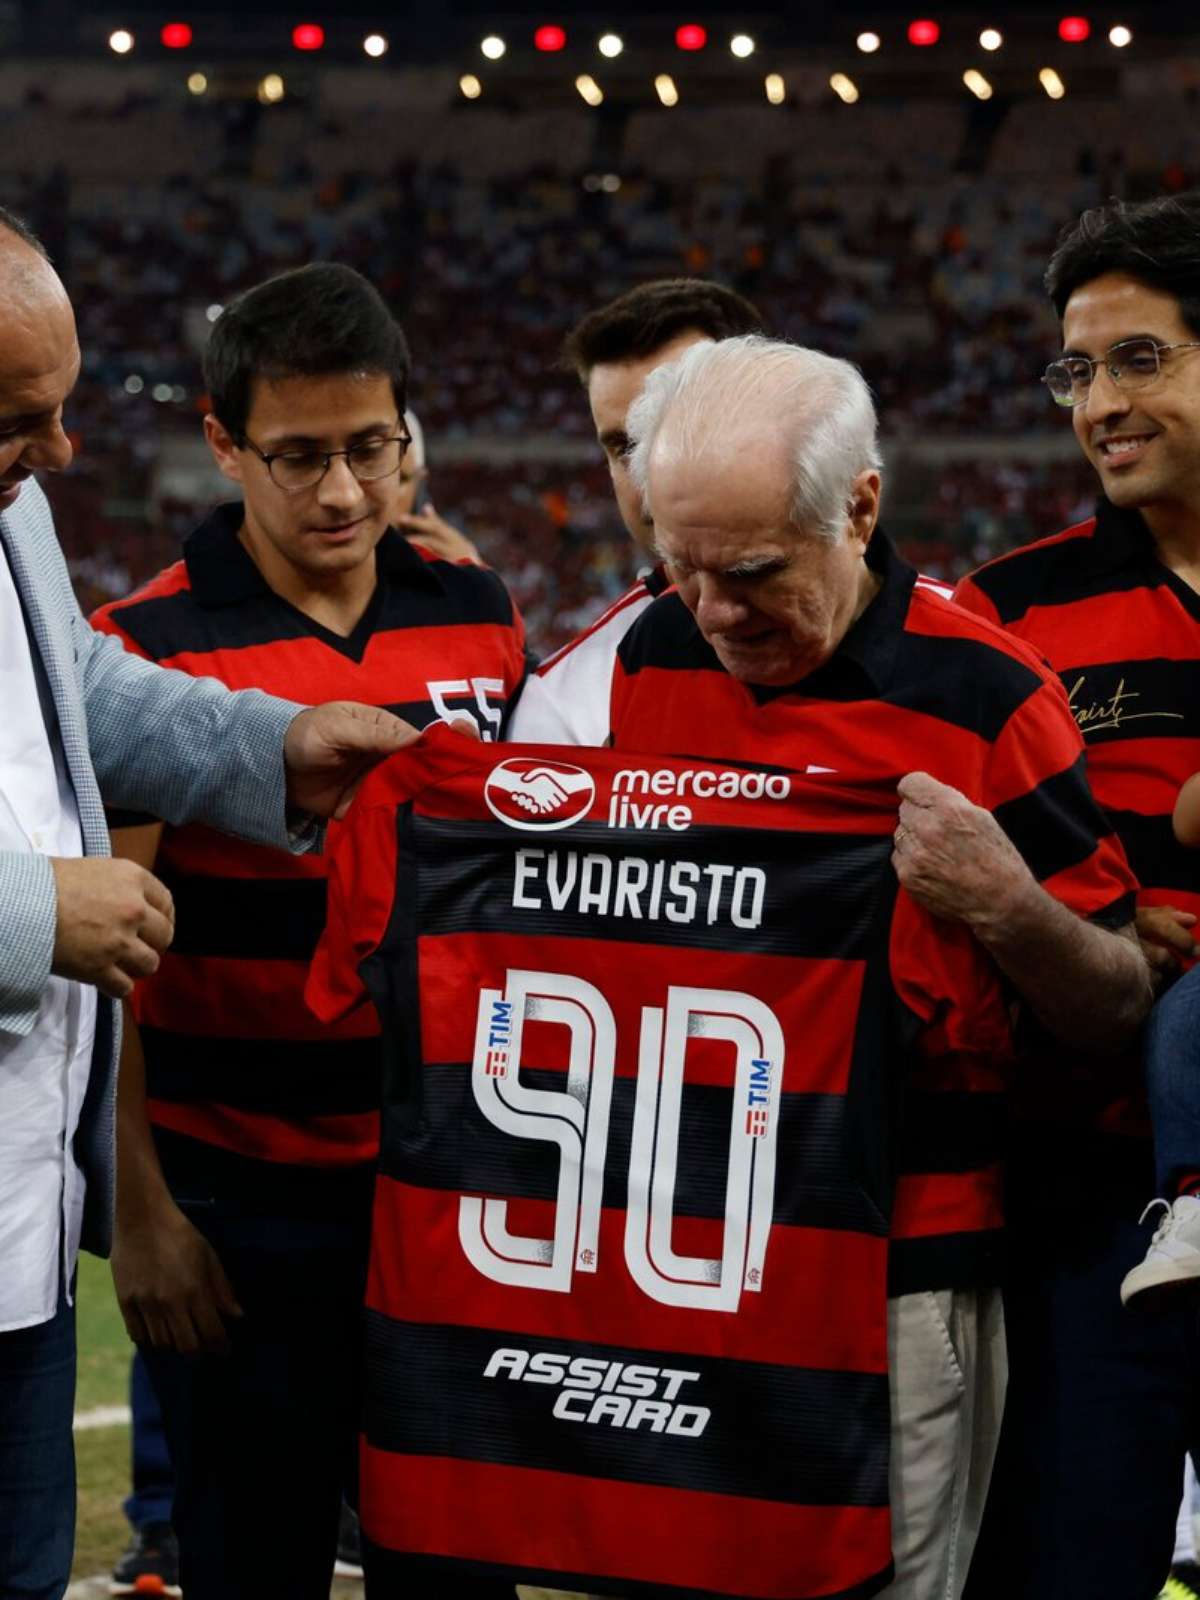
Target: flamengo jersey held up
(237, 1071)
(627, 1299)
(916, 684)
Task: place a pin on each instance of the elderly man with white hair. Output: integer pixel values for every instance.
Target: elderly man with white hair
(795, 637)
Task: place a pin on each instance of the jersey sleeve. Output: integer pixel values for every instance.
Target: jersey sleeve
(1036, 786)
(971, 598)
(362, 855)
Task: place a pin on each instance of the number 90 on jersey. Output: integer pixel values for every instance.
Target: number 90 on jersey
(576, 1119)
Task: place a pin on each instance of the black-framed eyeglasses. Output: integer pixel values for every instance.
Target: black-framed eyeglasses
(293, 470)
(1131, 364)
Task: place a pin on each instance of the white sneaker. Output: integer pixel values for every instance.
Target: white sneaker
(1173, 1259)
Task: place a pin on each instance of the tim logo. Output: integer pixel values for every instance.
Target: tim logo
(499, 1038)
(538, 796)
(758, 1099)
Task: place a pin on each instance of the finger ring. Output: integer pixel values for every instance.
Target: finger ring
(901, 835)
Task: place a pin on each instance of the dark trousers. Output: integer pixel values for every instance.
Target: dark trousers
(1102, 1401)
(1173, 1082)
(153, 1482)
(263, 1441)
(37, 1458)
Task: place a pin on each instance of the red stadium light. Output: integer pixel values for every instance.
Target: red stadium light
(1074, 30)
(176, 35)
(308, 36)
(691, 36)
(923, 31)
(550, 37)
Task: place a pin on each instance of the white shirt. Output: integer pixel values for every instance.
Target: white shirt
(567, 700)
(44, 1074)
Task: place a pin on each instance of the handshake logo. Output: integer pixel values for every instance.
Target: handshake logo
(538, 796)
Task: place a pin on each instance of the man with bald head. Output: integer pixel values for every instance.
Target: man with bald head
(797, 640)
(85, 723)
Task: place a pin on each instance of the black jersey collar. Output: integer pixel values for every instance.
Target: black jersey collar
(862, 663)
(222, 572)
(1121, 541)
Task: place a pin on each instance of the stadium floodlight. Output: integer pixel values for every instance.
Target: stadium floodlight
(176, 35)
(691, 36)
(776, 88)
(741, 45)
(470, 86)
(664, 88)
(845, 88)
(550, 37)
(978, 84)
(120, 41)
(868, 43)
(134, 384)
(375, 45)
(924, 31)
(308, 36)
(197, 83)
(493, 47)
(610, 45)
(991, 38)
(1120, 36)
(1052, 83)
(163, 393)
(590, 91)
(214, 311)
(271, 89)
(1074, 30)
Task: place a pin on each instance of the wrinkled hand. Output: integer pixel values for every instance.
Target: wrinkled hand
(436, 534)
(1164, 935)
(171, 1286)
(953, 857)
(329, 750)
(114, 920)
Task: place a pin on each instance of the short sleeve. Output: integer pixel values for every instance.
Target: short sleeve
(362, 855)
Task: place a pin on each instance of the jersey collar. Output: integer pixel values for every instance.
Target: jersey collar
(1121, 540)
(862, 663)
(221, 571)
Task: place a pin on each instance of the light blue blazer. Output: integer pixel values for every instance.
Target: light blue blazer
(141, 738)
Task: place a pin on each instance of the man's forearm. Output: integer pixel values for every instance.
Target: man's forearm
(1089, 986)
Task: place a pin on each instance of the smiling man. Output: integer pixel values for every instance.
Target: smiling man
(247, 1138)
(1103, 1401)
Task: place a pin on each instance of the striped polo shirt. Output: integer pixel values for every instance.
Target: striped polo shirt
(238, 1072)
(1123, 633)
(917, 684)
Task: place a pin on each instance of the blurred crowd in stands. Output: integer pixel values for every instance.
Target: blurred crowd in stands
(491, 234)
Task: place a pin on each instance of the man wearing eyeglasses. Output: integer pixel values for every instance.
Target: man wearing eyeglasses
(247, 1132)
(1102, 1400)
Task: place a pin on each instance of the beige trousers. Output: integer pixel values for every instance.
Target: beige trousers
(948, 1374)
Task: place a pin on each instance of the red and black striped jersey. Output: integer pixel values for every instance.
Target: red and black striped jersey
(627, 1298)
(237, 1070)
(566, 701)
(916, 685)
(1123, 633)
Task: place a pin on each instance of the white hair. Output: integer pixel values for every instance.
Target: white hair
(734, 389)
(416, 450)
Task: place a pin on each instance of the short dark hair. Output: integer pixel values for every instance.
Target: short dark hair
(1155, 241)
(318, 319)
(644, 319)
(14, 224)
